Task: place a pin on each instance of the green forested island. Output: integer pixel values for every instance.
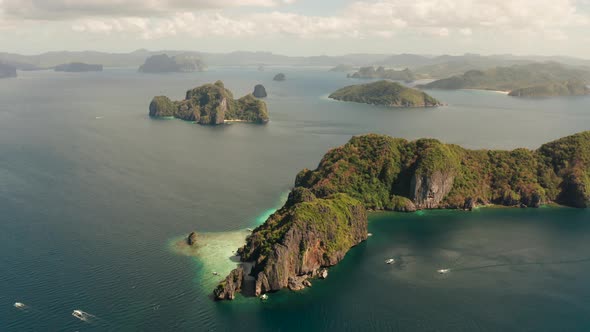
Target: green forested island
(538, 79)
(77, 67)
(211, 104)
(389, 74)
(385, 93)
(162, 63)
(567, 88)
(326, 213)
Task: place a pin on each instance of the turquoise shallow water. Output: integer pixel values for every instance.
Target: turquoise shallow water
(92, 193)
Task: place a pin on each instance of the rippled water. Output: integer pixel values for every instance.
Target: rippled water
(93, 194)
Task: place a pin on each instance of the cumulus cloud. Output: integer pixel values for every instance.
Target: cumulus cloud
(60, 9)
(151, 19)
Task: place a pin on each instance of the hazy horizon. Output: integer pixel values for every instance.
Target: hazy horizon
(299, 27)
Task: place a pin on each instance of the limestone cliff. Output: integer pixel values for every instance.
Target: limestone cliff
(210, 104)
(307, 234)
(326, 213)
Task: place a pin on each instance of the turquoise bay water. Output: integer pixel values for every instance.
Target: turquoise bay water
(92, 193)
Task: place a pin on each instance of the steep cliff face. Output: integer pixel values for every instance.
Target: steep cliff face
(232, 284)
(325, 214)
(428, 191)
(301, 238)
(210, 104)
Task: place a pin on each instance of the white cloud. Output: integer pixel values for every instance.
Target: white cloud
(153, 19)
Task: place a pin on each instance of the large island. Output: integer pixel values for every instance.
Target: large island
(162, 63)
(531, 80)
(385, 93)
(326, 212)
(211, 104)
(382, 73)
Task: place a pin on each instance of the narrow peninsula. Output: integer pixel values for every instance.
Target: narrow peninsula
(211, 104)
(385, 93)
(531, 80)
(326, 212)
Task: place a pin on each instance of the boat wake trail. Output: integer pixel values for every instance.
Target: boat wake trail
(481, 267)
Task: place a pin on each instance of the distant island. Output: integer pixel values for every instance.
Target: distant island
(567, 88)
(259, 91)
(7, 71)
(326, 213)
(279, 77)
(382, 73)
(385, 93)
(162, 63)
(77, 67)
(532, 80)
(211, 104)
(342, 68)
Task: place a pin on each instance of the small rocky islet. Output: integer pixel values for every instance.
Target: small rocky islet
(385, 93)
(326, 212)
(211, 104)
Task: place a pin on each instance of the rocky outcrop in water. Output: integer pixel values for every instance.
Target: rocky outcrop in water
(279, 77)
(210, 104)
(259, 91)
(232, 284)
(191, 240)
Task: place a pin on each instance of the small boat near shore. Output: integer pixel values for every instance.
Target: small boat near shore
(443, 271)
(390, 261)
(263, 297)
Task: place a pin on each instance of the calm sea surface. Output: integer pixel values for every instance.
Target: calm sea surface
(93, 194)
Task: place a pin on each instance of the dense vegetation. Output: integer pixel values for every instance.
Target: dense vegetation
(325, 214)
(382, 73)
(210, 104)
(538, 79)
(75, 67)
(377, 170)
(385, 93)
(162, 63)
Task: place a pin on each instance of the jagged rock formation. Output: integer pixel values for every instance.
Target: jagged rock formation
(279, 77)
(326, 213)
(232, 284)
(191, 240)
(77, 67)
(259, 91)
(7, 71)
(210, 104)
(385, 93)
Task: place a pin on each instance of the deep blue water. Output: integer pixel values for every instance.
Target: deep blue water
(92, 191)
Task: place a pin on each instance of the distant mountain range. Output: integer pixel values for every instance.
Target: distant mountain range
(433, 66)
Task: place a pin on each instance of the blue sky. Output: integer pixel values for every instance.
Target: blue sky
(299, 27)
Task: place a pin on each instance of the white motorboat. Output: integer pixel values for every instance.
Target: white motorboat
(390, 261)
(263, 297)
(19, 305)
(443, 271)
